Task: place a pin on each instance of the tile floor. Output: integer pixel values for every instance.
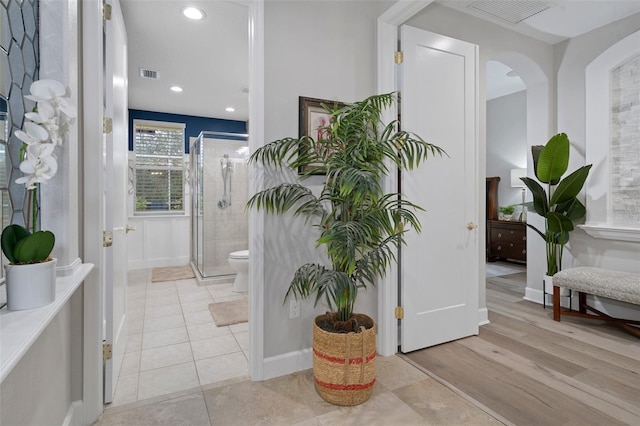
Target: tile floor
(180, 369)
(403, 395)
(173, 343)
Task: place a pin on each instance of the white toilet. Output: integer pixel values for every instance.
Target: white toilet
(239, 262)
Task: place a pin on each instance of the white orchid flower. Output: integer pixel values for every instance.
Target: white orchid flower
(45, 129)
(45, 90)
(55, 111)
(39, 164)
(54, 94)
(33, 134)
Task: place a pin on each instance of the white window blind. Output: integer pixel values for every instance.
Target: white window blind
(159, 149)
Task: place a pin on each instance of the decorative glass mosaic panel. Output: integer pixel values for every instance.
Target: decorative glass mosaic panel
(625, 143)
(19, 61)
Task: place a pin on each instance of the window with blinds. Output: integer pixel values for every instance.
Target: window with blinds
(159, 149)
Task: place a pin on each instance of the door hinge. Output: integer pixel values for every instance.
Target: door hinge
(107, 238)
(106, 351)
(107, 125)
(398, 57)
(399, 312)
(106, 11)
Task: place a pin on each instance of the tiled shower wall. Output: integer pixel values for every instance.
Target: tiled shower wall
(625, 142)
(225, 230)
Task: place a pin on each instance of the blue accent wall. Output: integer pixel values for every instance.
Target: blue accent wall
(194, 125)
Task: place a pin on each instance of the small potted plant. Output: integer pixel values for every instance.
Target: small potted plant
(558, 204)
(506, 211)
(31, 273)
(360, 227)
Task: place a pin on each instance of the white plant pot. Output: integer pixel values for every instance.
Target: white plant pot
(30, 286)
(548, 286)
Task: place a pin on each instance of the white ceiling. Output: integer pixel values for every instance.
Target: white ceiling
(209, 58)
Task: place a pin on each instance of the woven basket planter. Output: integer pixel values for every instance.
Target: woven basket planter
(344, 364)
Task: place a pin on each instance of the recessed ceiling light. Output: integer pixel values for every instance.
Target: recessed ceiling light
(193, 13)
(176, 88)
(230, 109)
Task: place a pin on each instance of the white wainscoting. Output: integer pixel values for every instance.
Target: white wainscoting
(158, 241)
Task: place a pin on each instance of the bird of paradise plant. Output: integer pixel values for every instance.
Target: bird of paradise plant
(558, 205)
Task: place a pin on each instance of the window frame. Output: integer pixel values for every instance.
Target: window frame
(166, 125)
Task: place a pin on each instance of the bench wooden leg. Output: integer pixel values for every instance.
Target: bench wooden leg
(631, 326)
(556, 303)
(582, 302)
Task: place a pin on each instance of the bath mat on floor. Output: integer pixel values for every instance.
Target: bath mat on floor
(172, 273)
(231, 312)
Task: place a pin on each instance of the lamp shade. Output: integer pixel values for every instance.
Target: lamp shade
(516, 174)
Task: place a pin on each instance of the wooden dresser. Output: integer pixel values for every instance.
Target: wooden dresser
(506, 240)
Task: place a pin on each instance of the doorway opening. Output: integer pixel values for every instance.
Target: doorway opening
(506, 162)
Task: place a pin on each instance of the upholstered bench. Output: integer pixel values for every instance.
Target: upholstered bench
(622, 286)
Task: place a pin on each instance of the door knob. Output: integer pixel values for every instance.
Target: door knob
(129, 228)
(471, 226)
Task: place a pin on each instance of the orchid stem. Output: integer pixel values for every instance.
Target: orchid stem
(28, 218)
(35, 209)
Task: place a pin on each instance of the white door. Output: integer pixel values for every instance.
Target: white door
(115, 214)
(439, 267)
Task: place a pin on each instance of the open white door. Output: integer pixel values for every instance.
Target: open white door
(115, 195)
(439, 267)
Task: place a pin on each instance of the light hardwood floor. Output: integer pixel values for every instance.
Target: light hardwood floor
(527, 369)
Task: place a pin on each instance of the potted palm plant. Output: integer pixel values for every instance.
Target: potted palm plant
(558, 204)
(359, 228)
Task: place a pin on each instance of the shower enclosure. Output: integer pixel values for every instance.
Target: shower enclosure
(219, 193)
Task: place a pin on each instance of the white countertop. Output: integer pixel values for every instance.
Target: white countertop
(19, 329)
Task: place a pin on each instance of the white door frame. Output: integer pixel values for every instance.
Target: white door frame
(256, 219)
(387, 43)
(92, 196)
(92, 201)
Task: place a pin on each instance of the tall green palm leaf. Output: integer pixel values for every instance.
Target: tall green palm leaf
(361, 226)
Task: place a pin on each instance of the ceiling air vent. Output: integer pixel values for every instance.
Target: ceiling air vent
(145, 73)
(513, 11)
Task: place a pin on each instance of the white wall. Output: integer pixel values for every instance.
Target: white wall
(161, 240)
(158, 241)
(315, 49)
(47, 379)
(507, 143)
(572, 57)
(40, 389)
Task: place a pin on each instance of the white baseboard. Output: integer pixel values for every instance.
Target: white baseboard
(615, 308)
(158, 263)
(74, 414)
(533, 295)
(288, 363)
(483, 316)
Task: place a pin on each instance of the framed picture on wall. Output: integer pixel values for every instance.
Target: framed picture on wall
(312, 118)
